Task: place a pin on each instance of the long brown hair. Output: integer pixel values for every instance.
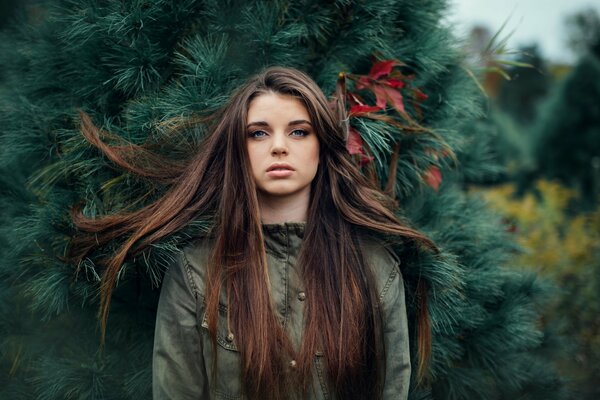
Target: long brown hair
(343, 320)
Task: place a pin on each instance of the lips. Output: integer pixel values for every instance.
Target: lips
(280, 170)
(280, 167)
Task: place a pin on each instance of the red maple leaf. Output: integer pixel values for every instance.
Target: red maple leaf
(354, 145)
(382, 68)
(433, 177)
(386, 94)
(363, 83)
(419, 95)
(419, 98)
(361, 109)
(395, 83)
(364, 159)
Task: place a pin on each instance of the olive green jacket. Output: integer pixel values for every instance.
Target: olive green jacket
(183, 351)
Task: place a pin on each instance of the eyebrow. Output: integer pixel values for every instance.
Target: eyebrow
(264, 123)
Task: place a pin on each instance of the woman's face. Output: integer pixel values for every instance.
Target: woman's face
(282, 146)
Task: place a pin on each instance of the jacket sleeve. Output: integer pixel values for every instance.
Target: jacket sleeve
(178, 370)
(396, 340)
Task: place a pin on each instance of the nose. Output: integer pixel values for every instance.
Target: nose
(279, 145)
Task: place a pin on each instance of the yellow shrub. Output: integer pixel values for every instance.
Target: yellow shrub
(565, 248)
(554, 242)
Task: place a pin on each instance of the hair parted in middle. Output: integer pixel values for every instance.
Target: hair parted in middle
(343, 321)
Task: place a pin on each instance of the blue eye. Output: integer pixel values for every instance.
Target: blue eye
(257, 134)
(299, 132)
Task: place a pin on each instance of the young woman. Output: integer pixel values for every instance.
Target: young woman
(294, 293)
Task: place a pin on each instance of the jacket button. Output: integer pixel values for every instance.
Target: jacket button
(301, 296)
(229, 337)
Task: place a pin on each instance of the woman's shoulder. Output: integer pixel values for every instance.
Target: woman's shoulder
(195, 256)
(380, 251)
(382, 257)
(197, 251)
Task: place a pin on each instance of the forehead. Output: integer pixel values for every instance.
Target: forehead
(274, 107)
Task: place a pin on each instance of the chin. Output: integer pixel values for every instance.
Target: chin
(281, 191)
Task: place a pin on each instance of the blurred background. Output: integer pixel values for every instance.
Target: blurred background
(542, 79)
(538, 64)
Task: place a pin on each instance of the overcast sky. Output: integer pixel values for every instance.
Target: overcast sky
(534, 21)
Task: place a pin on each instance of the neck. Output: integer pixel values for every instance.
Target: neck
(280, 209)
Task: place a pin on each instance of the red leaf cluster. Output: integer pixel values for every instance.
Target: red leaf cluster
(385, 83)
(390, 87)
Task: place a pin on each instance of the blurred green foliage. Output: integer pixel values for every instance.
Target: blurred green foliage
(566, 249)
(584, 31)
(567, 135)
(544, 128)
(528, 85)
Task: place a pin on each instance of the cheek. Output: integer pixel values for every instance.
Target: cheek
(314, 158)
(254, 155)
(316, 150)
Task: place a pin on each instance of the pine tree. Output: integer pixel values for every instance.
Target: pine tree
(528, 85)
(136, 66)
(567, 135)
